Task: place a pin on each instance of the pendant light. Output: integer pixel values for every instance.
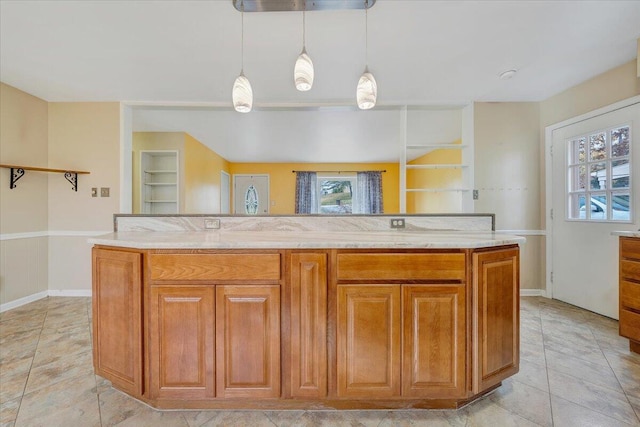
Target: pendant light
(242, 93)
(367, 91)
(303, 70)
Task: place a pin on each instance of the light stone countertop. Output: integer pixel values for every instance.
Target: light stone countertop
(303, 240)
(626, 233)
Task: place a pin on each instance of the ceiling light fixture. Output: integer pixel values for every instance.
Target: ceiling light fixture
(506, 75)
(367, 90)
(242, 93)
(303, 70)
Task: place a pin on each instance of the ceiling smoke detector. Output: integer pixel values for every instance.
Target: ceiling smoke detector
(506, 75)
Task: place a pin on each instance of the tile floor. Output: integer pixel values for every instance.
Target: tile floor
(575, 371)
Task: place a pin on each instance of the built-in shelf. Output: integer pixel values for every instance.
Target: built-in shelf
(17, 172)
(159, 181)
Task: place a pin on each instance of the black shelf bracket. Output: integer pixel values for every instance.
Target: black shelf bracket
(72, 177)
(16, 174)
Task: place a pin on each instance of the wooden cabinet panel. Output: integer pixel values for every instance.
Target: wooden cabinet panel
(497, 289)
(630, 295)
(630, 247)
(248, 341)
(401, 266)
(630, 325)
(630, 269)
(434, 345)
(117, 318)
(172, 267)
(308, 299)
(181, 347)
(368, 341)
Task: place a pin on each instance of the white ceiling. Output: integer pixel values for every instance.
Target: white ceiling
(421, 53)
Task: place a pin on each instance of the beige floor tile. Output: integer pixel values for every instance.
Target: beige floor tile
(532, 374)
(12, 386)
(64, 368)
(568, 414)
(19, 345)
(239, 419)
(9, 411)
(593, 372)
(525, 401)
(21, 324)
(485, 413)
(283, 418)
(601, 399)
(425, 418)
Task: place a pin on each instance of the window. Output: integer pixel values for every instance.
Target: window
(599, 181)
(336, 193)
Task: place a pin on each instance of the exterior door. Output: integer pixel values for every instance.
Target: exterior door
(593, 178)
(251, 194)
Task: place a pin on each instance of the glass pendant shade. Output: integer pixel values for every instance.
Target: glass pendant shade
(367, 91)
(303, 72)
(242, 94)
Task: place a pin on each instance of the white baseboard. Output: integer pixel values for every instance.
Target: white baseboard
(50, 293)
(532, 293)
(22, 301)
(69, 292)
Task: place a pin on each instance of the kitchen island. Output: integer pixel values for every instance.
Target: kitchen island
(306, 320)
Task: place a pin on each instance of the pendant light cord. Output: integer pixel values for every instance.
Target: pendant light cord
(242, 41)
(366, 33)
(304, 29)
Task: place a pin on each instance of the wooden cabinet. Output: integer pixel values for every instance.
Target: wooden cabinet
(248, 341)
(434, 344)
(496, 288)
(368, 335)
(181, 344)
(117, 318)
(308, 324)
(630, 291)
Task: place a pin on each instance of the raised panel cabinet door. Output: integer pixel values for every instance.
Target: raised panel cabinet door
(182, 339)
(368, 335)
(248, 341)
(497, 312)
(434, 345)
(117, 318)
(308, 299)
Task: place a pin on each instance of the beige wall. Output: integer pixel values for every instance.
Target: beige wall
(201, 177)
(23, 142)
(157, 141)
(83, 136)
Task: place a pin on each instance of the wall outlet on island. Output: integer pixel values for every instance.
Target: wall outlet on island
(211, 223)
(397, 222)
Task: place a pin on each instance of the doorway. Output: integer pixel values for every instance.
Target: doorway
(251, 194)
(591, 192)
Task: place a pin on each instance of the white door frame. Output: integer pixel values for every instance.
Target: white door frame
(228, 191)
(548, 141)
(233, 196)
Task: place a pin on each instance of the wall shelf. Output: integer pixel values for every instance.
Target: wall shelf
(17, 172)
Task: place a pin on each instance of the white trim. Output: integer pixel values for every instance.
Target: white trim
(70, 292)
(52, 233)
(22, 301)
(532, 293)
(27, 235)
(548, 142)
(468, 157)
(523, 232)
(126, 159)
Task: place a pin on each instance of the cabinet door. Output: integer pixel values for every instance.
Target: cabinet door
(368, 335)
(181, 345)
(308, 299)
(248, 341)
(497, 313)
(117, 318)
(434, 345)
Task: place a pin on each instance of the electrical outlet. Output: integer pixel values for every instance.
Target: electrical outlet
(104, 191)
(475, 194)
(397, 222)
(211, 223)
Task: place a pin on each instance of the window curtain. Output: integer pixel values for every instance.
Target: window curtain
(369, 193)
(306, 199)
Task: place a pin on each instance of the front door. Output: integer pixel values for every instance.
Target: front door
(251, 194)
(595, 181)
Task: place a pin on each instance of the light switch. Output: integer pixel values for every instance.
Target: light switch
(104, 191)
(94, 192)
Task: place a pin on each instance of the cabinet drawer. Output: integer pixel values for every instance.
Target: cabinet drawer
(629, 269)
(401, 266)
(630, 248)
(630, 324)
(244, 266)
(630, 295)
